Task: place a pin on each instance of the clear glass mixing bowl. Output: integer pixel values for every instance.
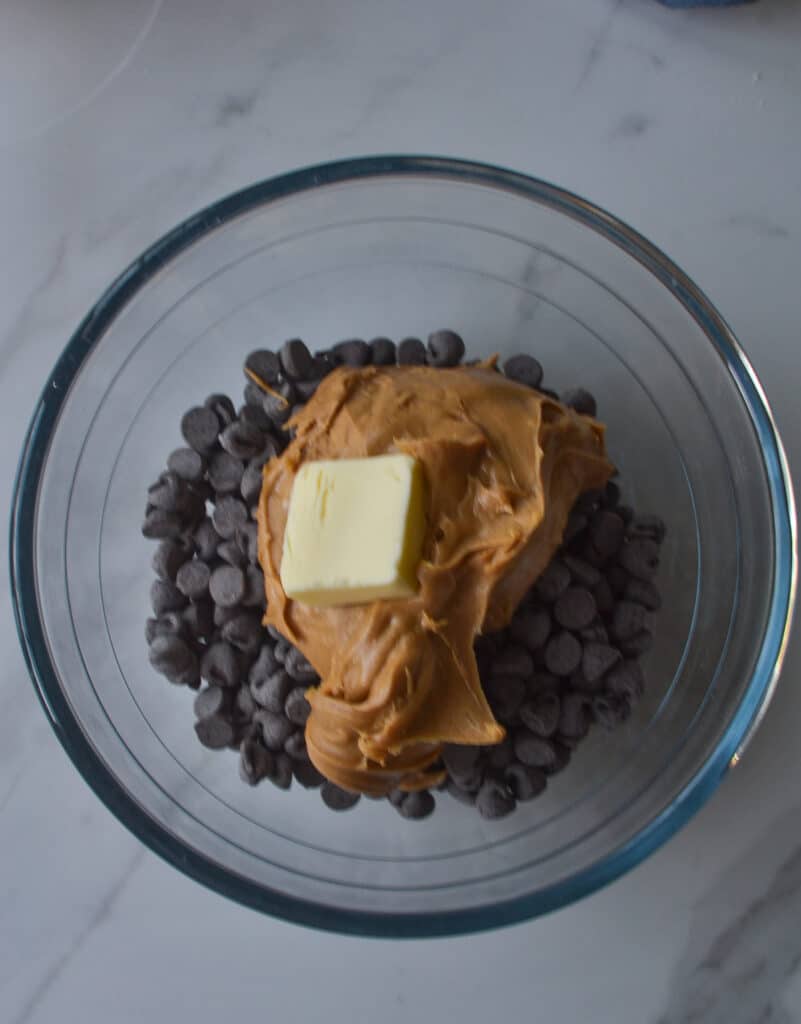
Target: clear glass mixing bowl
(399, 246)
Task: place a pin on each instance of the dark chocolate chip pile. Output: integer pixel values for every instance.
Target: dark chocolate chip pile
(567, 660)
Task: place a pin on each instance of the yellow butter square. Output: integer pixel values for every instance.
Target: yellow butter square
(354, 531)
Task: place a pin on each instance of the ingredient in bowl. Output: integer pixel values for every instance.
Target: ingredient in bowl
(503, 466)
(354, 531)
(252, 681)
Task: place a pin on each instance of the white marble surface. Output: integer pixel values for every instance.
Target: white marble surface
(120, 119)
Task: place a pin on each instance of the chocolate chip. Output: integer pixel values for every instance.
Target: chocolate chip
(229, 551)
(542, 682)
(305, 389)
(219, 665)
(574, 719)
(229, 515)
(383, 351)
(215, 732)
(562, 758)
(160, 524)
(299, 668)
(296, 708)
(254, 587)
(250, 484)
(585, 574)
(200, 427)
(225, 472)
(652, 527)
(169, 493)
(505, 694)
(296, 360)
(168, 558)
(588, 501)
(609, 710)
(640, 557)
(580, 400)
(576, 524)
(499, 755)
(628, 618)
(165, 597)
(445, 348)
(524, 782)
(644, 593)
(271, 692)
(524, 369)
(417, 805)
(212, 700)
(611, 495)
(353, 352)
(637, 645)
(206, 540)
(535, 751)
(169, 624)
(199, 619)
(562, 654)
(275, 729)
(282, 771)
(253, 415)
(263, 666)
(243, 440)
(597, 659)
(243, 632)
(186, 463)
(530, 627)
(604, 598)
(223, 408)
(227, 585)
(253, 394)
(581, 684)
(247, 537)
(170, 655)
(307, 775)
(223, 615)
(618, 579)
(255, 761)
(494, 800)
(464, 796)
(540, 714)
(295, 746)
(193, 579)
(513, 660)
(264, 364)
(606, 532)
(575, 608)
(462, 763)
(338, 799)
(244, 704)
(278, 409)
(626, 680)
(411, 352)
(552, 581)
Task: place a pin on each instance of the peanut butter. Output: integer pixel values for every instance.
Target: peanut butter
(503, 465)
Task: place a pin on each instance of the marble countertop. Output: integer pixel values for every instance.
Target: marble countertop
(119, 120)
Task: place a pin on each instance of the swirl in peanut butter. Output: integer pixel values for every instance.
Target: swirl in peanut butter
(503, 465)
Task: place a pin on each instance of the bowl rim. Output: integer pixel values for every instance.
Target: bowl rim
(33, 639)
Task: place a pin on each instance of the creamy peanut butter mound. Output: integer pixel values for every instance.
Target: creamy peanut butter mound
(503, 465)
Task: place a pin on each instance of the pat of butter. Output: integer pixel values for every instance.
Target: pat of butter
(354, 531)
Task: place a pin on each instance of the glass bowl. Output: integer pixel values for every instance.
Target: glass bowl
(399, 246)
